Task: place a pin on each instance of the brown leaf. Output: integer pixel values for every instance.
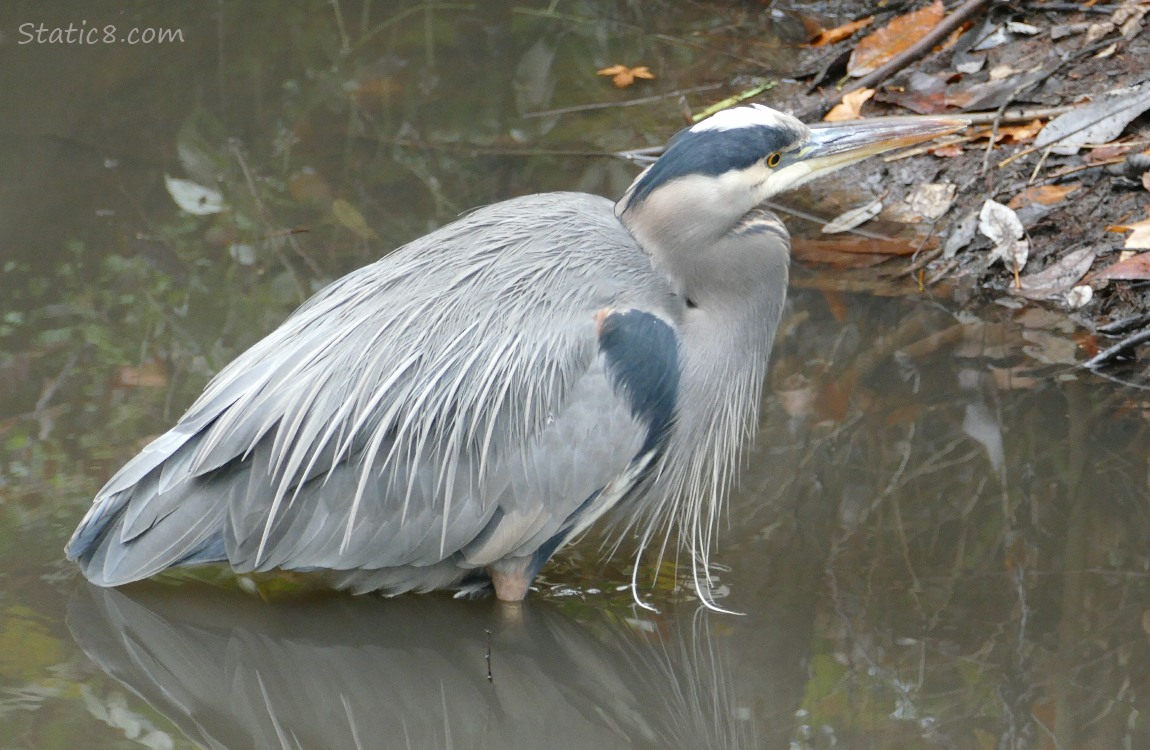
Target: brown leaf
(151, 374)
(855, 252)
(851, 105)
(1136, 268)
(880, 46)
(921, 93)
(837, 34)
(622, 76)
(1047, 195)
(948, 151)
(1111, 153)
(1021, 133)
(1010, 133)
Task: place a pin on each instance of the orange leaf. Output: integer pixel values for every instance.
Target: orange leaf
(150, 374)
(622, 76)
(837, 34)
(879, 47)
(850, 107)
(1047, 195)
(1021, 133)
(949, 150)
(1007, 133)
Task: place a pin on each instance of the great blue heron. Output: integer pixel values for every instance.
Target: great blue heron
(463, 407)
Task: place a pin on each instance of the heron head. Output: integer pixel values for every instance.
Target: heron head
(714, 172)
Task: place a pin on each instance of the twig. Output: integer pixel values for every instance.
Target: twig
(487, 656)
(265, 216)
(800, 214)
(1125, 324)
(994, 127)
(1123, 346)
(731, 101)
(1025, 114)
(915, 51)
(625, 103)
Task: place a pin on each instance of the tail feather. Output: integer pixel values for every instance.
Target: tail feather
(190, 533)
(137, 528)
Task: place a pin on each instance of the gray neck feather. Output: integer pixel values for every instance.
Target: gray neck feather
(736, 278)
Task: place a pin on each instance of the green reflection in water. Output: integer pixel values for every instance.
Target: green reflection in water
(937, 545)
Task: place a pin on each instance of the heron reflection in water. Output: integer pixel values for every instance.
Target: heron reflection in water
(452, 414)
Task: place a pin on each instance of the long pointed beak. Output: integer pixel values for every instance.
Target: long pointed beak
(835, 145)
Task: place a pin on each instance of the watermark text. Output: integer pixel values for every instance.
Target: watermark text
(40, 33)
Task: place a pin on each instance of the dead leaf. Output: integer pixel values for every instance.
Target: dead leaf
(998, 72)
(1100, 122)
(850, 219)
(851, 251)
(1079, 296)
(1047, 195)
(920, 92)
(851, 105)
(350, 217)
(1021, 133)
(1108, 52)
(1131, 269)
(961, 235)
(1139, 239)
(837, 34)
(151, 374)
(1095, 31)
(1057, 279)
(1017, 27)
(622, 76)
(877, 48)
(996, 38)
(932, 200)
(193, 198)
(1004, 229)
(1111, 153)
(948, 151)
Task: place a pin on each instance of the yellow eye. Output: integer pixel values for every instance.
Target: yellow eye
(774, 159)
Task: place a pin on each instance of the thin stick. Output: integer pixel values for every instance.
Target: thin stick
(1024, 114)
(1123, 346)
(625, 103)
(487, 656)
(1125, 324)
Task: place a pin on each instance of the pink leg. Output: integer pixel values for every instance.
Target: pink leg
(510, 578)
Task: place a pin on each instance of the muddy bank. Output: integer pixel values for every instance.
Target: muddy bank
(1058, 141)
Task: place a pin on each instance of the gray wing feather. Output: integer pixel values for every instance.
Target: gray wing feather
(445, 403)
